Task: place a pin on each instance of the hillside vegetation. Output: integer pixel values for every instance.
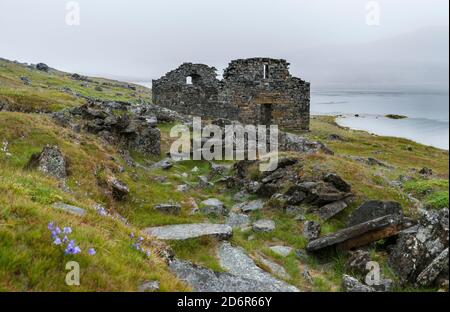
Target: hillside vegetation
(29, 261)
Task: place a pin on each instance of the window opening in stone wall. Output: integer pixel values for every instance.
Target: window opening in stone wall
(189, 80)
(265, 71)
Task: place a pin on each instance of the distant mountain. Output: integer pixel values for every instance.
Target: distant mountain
(418, 60)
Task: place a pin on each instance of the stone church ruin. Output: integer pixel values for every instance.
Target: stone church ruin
(258, 91)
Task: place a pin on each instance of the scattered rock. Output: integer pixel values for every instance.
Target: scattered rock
(212, 206)
(183, 188)
(164, 164)
(357, 261)
(119, 123)
(186, 231)
(263, 226)
(335, 137)
(119, 189)
(238, 220)
(169, 208)
(358, 235)
(338, 182)
(26, 80)
(418, 249)
(241, 196)
(351, 284)
(252, 206)
(328, 211)
(42, 67)
(282, 251)
(205, 280)
(307, 276)
(50, 161)
(71, 209)
(150, 286)
(295, 143)
(204, 182)
(236, 262)
(426, 171)
(311, 230)
(374, 209)
(273, 267)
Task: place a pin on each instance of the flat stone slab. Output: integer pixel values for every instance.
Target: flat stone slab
(330, 210)
(186, 231)
(358, 235)
(282, 251)
(263, 225)
(238, 263)
(71, 209)
(238, 220)
(250, 206)
(201, 279)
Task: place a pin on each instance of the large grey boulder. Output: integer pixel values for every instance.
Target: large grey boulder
(263, 225)
(50, 161)
(201, 279)
(169, 208)
(351, 284)
(238, 220)
(251, 206)
(311, 230)
(338, 182)
(330, 210)
(294, 143)
(374, 209)
(358, 235)
(186, 231)
(70, 209)
(282, 251)
(212, 206)
(238, 263)
(420, 251)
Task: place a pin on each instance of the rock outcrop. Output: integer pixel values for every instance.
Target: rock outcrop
(50, 161)
(186, 231)
(116, 122)
(420, 255)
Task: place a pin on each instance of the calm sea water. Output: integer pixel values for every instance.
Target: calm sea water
(428, 113)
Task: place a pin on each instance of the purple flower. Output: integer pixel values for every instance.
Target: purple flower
(57, 241)
(91, 251)
(67, 230)
(132, 235)
(137, 246)
(140, 239)
(65, 239)
(102, 212)
(51, 226)
(148, 253)
(54, 234)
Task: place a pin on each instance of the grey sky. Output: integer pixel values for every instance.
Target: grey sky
(141, 39)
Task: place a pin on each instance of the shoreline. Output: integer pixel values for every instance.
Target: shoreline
(397, 128)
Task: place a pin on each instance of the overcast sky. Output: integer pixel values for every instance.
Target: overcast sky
(143, 39)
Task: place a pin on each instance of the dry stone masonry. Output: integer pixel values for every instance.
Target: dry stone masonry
(258, 91)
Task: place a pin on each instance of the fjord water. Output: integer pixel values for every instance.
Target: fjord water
(427, 112)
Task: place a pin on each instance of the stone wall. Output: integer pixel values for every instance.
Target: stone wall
(253, 91)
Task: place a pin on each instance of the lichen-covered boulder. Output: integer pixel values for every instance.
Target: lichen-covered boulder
(50, 161)
(420, 250)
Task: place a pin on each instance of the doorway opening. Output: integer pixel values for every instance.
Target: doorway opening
(265, 115)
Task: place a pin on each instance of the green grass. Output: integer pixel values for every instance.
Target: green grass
(28, 261)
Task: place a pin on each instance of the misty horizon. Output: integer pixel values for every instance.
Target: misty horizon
(329, 44)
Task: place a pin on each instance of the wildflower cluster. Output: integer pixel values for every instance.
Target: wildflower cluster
(61, 237)
(137, 244)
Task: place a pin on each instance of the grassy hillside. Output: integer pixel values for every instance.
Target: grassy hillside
(30, 262)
